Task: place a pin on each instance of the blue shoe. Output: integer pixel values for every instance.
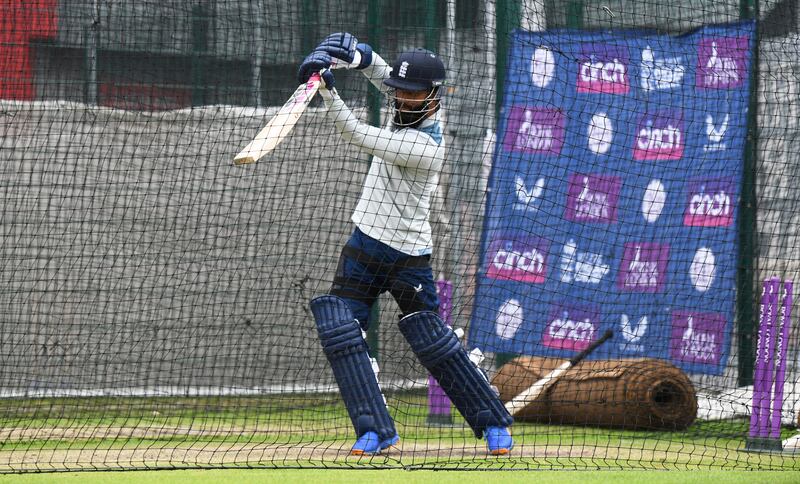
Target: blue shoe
(499, 440)
(368, 444)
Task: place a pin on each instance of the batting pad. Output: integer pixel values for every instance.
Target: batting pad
(346, 350)
(439, 350)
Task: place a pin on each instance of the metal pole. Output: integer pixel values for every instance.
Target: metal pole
(575, 13)
(258, 56)
(309, 35)
(508, 19)
(199, 47)
(449, 33)
(92, 36)
(374, 102)
(431, 32)
(747, 226)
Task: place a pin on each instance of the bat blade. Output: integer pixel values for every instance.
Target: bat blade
(281, 124)
(529, 395)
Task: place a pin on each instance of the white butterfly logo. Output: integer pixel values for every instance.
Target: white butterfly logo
(629, 332)
(526, 196)
(715, 134)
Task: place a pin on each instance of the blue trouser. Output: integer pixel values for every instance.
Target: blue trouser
(368, 267)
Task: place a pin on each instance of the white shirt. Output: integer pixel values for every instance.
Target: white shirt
(395, 201)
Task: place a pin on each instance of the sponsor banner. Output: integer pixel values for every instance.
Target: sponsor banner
(592, 198)
(613, 196)
(632, 332)
(517, 259)
(659, 71)
(571, 327)
(660, 136)
(722, 62)
(535, 130)
(543, 66)
(697, 338)
(716, 129)
(643, 267)
(710, 202)
(580, 265)
(603, 69)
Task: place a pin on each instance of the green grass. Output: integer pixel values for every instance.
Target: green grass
(295, 431)
(332, 476)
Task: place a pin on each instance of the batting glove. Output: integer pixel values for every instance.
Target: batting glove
(315, 62)
(328, 81)
(343, 46)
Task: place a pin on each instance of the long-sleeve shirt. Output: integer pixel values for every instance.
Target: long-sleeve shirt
(395, 201)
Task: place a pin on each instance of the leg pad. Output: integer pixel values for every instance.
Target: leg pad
(439, 350)
(347, 354)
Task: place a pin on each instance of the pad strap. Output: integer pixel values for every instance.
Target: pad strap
(345, 287)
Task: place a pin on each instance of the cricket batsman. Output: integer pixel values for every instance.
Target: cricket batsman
(390, 247)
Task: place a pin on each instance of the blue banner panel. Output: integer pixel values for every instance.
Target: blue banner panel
(613, 196)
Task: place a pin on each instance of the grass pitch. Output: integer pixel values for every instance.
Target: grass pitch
(333, 476)
(275, 433)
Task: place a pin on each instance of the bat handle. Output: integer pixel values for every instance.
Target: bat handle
(532, 393)
(583, 354)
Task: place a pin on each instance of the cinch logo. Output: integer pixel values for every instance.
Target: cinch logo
(603, 69)
(661, 74)
(403, 69)
(592, 198)
(721, 62)
(584, 267)
(643, 267)
(632, 334)
(697, 337)
(710, 203)
(716, 134)
(522, 260)
(570, 327)
(659, 137)
(535, 130)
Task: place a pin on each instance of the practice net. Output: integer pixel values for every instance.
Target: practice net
(623, 166)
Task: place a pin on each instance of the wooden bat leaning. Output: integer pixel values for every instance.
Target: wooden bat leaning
(534, 391)
(280, 125)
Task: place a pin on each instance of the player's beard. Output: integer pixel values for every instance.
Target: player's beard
(412, 119)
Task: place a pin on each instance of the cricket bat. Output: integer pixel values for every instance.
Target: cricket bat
(534, 391)
(281, 125)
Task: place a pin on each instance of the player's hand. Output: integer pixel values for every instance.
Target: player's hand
(315, 62)
(328, 81)
(343, 46)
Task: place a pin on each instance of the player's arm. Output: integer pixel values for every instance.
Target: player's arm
(377, 71)
(408, 148)
(347, 52)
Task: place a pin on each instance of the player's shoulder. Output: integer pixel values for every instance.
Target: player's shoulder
(432, 130)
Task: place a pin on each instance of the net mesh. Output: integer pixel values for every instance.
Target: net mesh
(155, 296)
